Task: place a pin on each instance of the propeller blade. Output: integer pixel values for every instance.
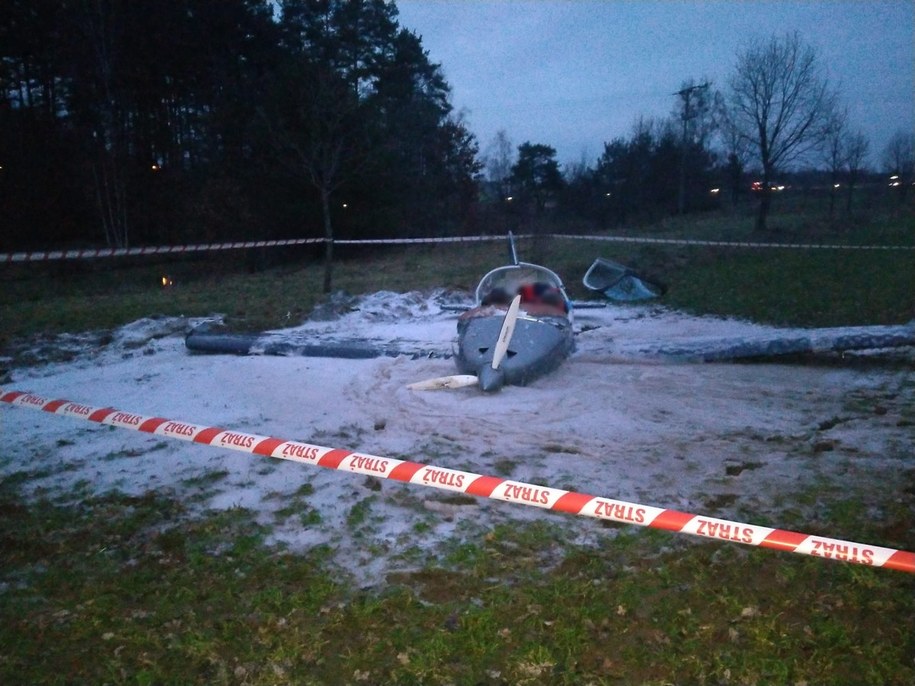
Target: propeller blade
(505, 335)
(453, 381)
(489, 380)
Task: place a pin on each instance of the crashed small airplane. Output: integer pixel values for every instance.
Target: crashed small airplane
(520, 327)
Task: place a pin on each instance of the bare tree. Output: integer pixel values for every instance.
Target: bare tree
(107, 120)
(845, 153)
(779, 101)
(899, 160)
(317, 134)
(856, 149)
(835, 152)
(737, 149)
(500, 157)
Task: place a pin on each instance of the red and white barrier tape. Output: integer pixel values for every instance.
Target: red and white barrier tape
(47, 256)
(480, 485)
(90, 253)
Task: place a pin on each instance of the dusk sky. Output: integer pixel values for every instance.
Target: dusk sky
(576, 73)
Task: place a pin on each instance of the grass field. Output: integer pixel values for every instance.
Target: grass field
(131, 590)
(126, 591)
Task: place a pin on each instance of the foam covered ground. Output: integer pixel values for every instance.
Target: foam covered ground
(751, 442)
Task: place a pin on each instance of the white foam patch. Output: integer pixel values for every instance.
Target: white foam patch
(732, 441)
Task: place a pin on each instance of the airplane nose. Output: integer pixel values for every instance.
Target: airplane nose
(491, 380)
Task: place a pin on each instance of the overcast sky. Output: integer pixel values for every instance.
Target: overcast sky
(574, 74)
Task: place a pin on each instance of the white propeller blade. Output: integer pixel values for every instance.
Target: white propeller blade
(491, 380)
(453, 381)
(505, 335)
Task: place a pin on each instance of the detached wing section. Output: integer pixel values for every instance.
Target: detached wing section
(620, 283)
(788, 342)
(206, 340)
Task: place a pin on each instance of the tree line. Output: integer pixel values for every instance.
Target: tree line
(148, 122)
(776, 116)
(198, 120)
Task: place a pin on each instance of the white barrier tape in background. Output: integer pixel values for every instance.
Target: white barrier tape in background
(89, 253)
(38, 256)
(479, 485)
(730, 244)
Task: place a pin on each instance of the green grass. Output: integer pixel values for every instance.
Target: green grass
(827, 288)
(126, 590)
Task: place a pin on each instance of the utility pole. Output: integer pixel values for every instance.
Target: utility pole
(686, 95)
